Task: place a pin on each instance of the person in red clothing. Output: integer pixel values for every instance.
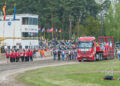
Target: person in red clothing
(31, 55)
(7, 55)
(23, 56)
(12, 56)
(16, 56)
(27, 56)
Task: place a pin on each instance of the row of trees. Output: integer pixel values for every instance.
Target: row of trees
(112, 21)
(88, 18)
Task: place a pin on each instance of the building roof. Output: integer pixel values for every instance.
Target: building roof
(22, 15)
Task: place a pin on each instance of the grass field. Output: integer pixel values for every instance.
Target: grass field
(81, 74)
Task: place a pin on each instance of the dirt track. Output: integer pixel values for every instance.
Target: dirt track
(10, 70)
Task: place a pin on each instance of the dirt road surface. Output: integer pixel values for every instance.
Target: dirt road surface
(8, 71)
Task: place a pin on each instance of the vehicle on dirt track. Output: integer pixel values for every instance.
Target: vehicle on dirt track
(90, 50)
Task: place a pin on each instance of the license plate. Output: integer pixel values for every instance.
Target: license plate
(84, 58)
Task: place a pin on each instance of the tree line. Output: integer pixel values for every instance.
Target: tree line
(88, 18)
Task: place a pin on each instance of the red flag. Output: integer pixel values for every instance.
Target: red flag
(39, 28)
(56, 30)
(4, 11)
(51, 30)
(48, 30)
(43, 30)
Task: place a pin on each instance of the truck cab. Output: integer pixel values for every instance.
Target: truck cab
(86, 49)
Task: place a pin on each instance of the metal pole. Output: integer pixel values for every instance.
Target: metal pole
(14, 34)
(70, 32)
(3, 31)
(44, 34)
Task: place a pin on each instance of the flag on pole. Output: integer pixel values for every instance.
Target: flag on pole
(39, 28)
(48, 30)
(4, 11)
(56, 30)
(43, 30)
(60, 31)
(51, 30)
(14, 11)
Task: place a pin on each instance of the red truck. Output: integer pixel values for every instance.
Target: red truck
(90, 50)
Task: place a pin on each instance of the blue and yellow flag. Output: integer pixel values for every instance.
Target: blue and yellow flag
(14, 11)
(4, 11)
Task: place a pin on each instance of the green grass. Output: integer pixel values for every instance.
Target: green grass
(81, 74)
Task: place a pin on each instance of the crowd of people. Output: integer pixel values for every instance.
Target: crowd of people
(65, 50)
(65, 54)
(60, 50)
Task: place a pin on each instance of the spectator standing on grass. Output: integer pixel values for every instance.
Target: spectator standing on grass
(34, 52)
(14, 56)
(23, 56)
(54, 54)
(75, 54)
(115, 53)
(63, 55)
(31, 55)
(119, 54)
(27, 56)
(11, 56)
(59, 52)
(69, 53)
(19, 55)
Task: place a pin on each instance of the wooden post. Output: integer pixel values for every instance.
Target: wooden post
(70, 32)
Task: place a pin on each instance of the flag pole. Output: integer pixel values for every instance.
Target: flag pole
(61, 35)
(4, 11)
(44, 34)
(52, 32)
(14, 24)
(3, 31)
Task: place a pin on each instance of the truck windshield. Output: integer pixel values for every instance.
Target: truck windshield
(85, 44)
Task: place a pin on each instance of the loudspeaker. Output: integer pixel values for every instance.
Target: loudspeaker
(108, 78)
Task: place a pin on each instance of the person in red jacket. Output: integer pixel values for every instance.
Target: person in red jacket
(31, 55)
(16, 56)
(23, 56)
(27, 56)
(11, 56)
